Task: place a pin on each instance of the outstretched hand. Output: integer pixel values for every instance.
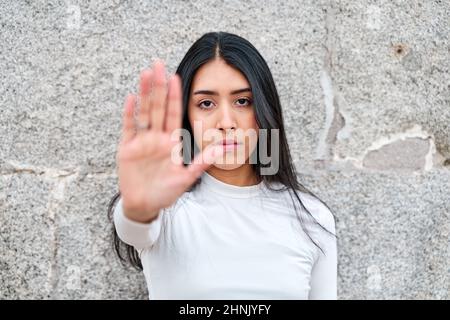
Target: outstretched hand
(150, 168)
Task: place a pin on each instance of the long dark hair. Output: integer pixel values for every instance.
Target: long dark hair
(243, 56)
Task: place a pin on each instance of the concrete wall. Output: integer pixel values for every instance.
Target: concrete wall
(365, 88)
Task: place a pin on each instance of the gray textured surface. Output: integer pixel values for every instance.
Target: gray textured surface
(393, 232)
(365, 88)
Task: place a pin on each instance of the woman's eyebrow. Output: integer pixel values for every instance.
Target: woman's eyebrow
(214, 93)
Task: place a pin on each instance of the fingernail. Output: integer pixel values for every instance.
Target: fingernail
(158, 61)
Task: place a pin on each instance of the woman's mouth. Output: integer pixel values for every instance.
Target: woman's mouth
(229, 144)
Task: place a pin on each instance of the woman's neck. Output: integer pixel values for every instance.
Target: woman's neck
(242, 176)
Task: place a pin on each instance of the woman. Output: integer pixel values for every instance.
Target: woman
(228, 221)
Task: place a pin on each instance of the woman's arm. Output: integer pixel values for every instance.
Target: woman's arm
(137, 234)
(324, 273)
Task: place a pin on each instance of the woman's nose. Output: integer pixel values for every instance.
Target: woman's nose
(226, 118)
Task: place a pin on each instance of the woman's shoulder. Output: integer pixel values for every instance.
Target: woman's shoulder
(318, 209)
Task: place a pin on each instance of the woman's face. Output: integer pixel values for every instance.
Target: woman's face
(221, 107)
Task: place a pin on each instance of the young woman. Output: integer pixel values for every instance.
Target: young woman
(219, 222)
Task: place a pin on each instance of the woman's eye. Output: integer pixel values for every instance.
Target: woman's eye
(244, 101)
(205, 104)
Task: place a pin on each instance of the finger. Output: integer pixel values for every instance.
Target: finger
(205, 159)
(176, 153)
(145, 87)
(174, 105)
(151, 144)
(158, 97)
(128, 130)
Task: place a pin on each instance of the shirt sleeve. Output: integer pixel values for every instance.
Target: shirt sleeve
(137, 234)
(324, 272)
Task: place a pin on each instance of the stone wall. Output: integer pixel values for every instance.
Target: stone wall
(365, 88)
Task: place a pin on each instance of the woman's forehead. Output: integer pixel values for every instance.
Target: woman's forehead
(218, 76)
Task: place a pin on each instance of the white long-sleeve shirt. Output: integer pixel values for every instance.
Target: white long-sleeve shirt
(222, 241)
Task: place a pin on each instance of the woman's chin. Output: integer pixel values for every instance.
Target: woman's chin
(230, 165)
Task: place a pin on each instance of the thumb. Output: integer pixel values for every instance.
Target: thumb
(205, 159)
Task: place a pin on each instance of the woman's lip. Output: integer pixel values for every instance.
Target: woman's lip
(227, 142)
(228, 147)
